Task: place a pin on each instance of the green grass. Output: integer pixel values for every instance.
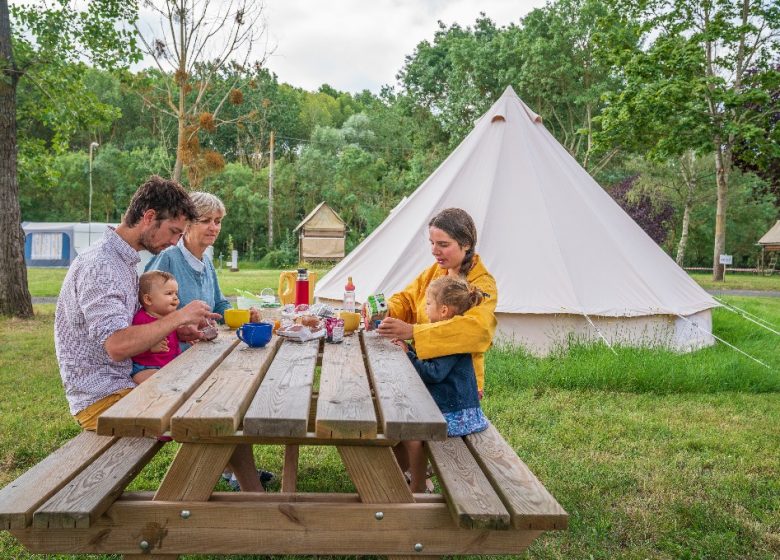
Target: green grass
(47, 281)
(738, 281)
(653, 454)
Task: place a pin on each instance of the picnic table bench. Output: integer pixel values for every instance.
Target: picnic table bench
(361, 396)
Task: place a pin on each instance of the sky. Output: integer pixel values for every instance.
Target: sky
(361, 44)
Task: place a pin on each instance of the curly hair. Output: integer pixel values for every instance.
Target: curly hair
(167, 198)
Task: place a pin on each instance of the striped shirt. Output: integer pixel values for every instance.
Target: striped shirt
(98, 297)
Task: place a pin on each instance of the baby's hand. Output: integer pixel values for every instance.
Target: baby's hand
(161, 346)
(401, 344)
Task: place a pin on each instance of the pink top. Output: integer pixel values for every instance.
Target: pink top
(158, 359)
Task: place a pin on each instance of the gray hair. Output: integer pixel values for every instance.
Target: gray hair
(206, 203)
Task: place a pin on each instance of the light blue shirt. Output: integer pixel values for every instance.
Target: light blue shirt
(193, 284)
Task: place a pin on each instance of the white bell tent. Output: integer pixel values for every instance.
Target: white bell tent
(568, 261)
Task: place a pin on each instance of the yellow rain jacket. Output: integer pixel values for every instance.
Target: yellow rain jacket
(471, 332)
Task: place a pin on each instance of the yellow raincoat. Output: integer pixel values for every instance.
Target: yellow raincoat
(471, 332)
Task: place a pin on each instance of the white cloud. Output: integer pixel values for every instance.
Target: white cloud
(354, 45)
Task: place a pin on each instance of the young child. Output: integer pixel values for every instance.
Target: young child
(450, 379)
(158, 295)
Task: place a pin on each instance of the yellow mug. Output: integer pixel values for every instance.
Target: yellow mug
(236, 317)
(351, 320)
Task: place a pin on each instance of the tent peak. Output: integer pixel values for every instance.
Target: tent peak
(501, 106)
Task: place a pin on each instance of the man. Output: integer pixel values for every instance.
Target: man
(93, 333)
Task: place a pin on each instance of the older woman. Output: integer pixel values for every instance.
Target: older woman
(197, 279)
(188, 262)
(453, 238)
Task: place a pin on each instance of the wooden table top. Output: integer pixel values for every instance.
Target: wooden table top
(363, 391)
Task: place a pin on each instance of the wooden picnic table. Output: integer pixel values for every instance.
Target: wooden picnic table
(361, 396)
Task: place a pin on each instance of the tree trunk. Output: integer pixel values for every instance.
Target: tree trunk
(690, 180)
(722, 167)
(14, 295)
(181, 142)
(271, 197)
(684, 235)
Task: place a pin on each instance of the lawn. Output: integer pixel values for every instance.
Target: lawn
(46, 282)
(653, 454)
(738, 281)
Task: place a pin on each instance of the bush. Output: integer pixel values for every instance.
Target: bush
(281, 258)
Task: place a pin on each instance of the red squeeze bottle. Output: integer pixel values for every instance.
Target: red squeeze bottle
(302, 287)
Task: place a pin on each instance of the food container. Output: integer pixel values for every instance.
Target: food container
(374, 310)
(334, 330)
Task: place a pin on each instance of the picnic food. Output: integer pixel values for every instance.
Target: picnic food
(334, 329)
(210, 332)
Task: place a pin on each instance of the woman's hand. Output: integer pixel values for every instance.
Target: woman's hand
(395, 328)
(254, 315)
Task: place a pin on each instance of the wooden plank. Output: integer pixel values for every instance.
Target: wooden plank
(281, 405)
(217, 406)
(194, 472)
(290, 469)
(344, 406)
(20, 498)
(273, 528)
(473, 502)
(310, 438)
(283, 497)
(406, 407)
(528, 501)
(91, 493)
(375, 474)
(147, 409)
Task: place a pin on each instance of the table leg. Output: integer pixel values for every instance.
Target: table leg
(377, 478)
(192, 476)
(290, 469)
(194, 472)
(376, 474)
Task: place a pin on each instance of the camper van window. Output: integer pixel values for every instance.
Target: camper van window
(46, 246)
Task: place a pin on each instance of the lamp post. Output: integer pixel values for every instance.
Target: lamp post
(92, 146)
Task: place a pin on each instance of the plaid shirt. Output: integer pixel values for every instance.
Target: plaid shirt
(98, 297)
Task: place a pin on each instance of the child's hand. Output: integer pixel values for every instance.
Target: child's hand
(161, 346)
(401, 344)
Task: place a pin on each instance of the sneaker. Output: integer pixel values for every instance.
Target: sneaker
(266, 478)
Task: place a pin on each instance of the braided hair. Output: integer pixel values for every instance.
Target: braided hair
(458, 224)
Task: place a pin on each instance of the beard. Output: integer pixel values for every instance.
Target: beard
(147, 239)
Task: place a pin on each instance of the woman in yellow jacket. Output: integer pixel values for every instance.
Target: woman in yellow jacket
(453, 237)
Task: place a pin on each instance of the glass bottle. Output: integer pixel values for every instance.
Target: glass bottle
(349, 296)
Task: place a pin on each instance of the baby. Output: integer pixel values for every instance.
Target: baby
(158, 295)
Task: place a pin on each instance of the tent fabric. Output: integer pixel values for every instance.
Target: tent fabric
(772, 237)
(554, 240)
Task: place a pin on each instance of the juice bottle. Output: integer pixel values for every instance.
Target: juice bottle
(302, 287)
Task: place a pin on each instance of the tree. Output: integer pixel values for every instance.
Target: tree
(192, 91)
(697, 70)
(46, 50)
